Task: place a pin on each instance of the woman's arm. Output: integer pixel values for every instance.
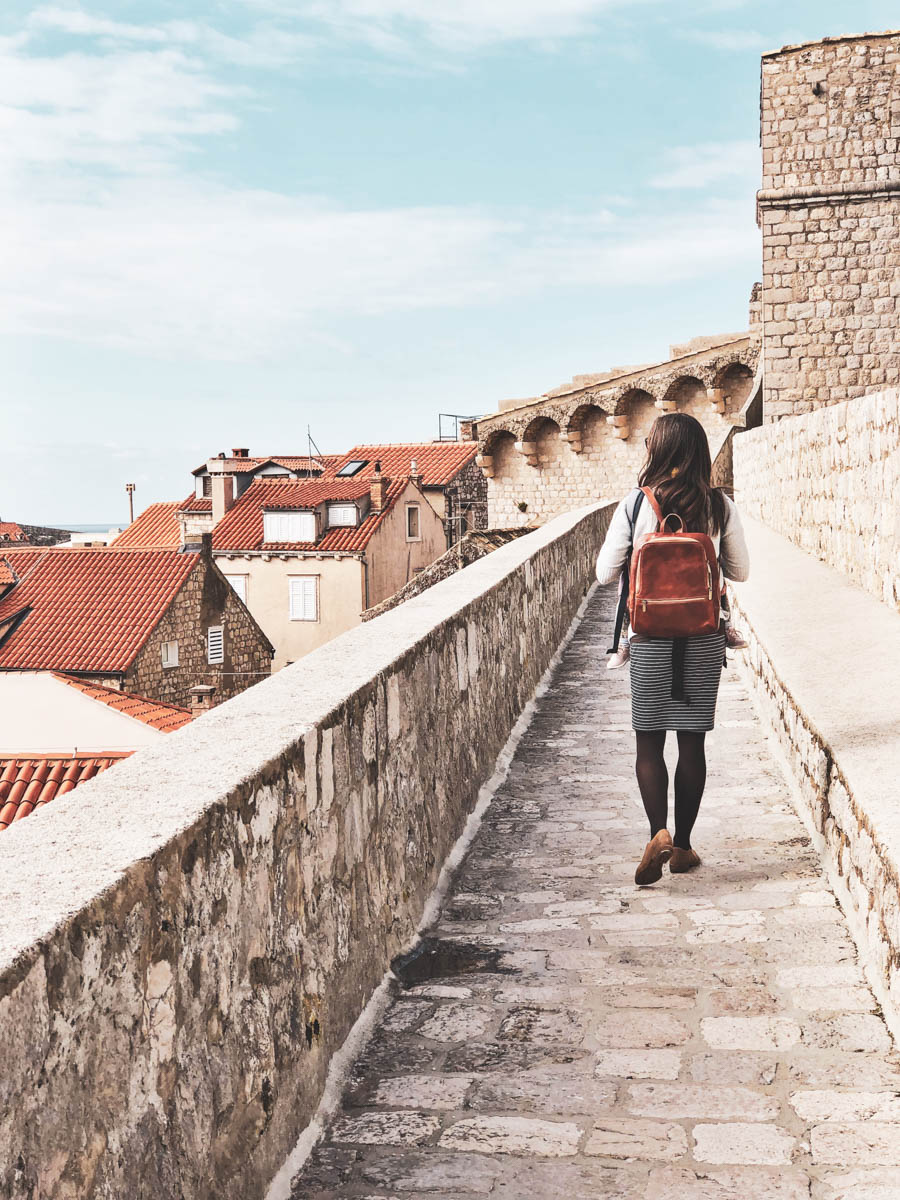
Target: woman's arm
(733, 553)
(615, 547)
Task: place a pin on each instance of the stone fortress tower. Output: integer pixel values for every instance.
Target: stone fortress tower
(824, 322)
(829, 210)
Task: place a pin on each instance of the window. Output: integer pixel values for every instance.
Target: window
(239, 583)
(341, 514)
(352, 468)
(215, 644)
(412, 523)
(304, 597)
(170, 654)
(289, 527)
(205, 485)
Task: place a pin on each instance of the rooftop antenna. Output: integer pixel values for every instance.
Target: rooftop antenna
(310, 444)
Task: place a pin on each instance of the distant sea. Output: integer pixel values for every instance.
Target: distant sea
(76, 528)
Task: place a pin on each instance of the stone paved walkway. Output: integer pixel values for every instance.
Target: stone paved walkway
(565, 1034)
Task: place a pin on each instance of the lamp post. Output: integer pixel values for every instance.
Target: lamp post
(129, 488)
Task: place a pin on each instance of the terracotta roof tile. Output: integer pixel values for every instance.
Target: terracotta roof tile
(156, 528)
(156, 713)
(26, 783)
(437, 462)
(196, 504)
(7, 575)
(242, 526)
(11, 532)
(86, 610)
(291, 462)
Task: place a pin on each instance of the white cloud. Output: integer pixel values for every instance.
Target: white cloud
(263, 45)
(197, 269)
(460, 24)
(729, 39)
(117, 240)
(699, 166)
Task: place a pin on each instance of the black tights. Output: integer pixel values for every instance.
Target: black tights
(653, 780)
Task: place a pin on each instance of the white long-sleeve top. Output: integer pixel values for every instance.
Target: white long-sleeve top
(731, 546)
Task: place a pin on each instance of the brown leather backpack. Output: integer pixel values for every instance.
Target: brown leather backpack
(674, 586)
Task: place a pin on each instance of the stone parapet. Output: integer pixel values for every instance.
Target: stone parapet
(579, 444)
(186, 941)
(821, 663)
(829, 481)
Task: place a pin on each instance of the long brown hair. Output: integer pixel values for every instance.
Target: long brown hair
(679, 470)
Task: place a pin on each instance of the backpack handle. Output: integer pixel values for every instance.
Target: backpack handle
(658, 512)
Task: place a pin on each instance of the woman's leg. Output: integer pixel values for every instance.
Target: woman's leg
(652, 777)
(690, 780)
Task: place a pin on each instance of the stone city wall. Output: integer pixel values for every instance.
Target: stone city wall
(186, 941)
(830, 481)
(829, 210)
(577, 445)
(838, 729)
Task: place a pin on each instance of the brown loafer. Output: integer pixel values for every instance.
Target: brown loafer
(683, 860)
(656, 855)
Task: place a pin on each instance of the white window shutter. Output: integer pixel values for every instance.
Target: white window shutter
(239, 583)
(289, 527)
(215, 644)
(309, 600)
(304, 598)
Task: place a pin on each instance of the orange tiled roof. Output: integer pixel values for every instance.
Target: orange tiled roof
(437, 462)
(7, 575)
(86, 610)
(155, 713)
(196, 504)
(26, 783)
(155, 529)
(11, 532)
(290, 462)
(242, 526)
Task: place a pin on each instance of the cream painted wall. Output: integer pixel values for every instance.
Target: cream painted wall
(268, 598)
(392, 559)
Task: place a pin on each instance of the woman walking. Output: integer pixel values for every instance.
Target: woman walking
(674, 682)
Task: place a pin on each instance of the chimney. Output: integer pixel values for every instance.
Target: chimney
(241, 452)
(222, 496)
(467, 430)
(415, 475)
(378, 486)
(201, 698)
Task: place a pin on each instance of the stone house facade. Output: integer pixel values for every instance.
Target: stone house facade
(155, 623)
(308, 557)
(829, 210)
(206, 601)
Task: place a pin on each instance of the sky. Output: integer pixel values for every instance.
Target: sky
(227, 221)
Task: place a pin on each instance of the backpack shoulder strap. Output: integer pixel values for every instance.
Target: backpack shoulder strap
(654, 504)
(623, 595)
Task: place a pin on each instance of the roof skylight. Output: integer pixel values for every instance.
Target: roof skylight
(352, 468)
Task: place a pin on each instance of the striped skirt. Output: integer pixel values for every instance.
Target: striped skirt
(652, 705)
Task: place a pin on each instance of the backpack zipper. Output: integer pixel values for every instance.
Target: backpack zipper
(676, 600)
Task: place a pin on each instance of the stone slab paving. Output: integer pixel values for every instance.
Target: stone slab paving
(562, 1033)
